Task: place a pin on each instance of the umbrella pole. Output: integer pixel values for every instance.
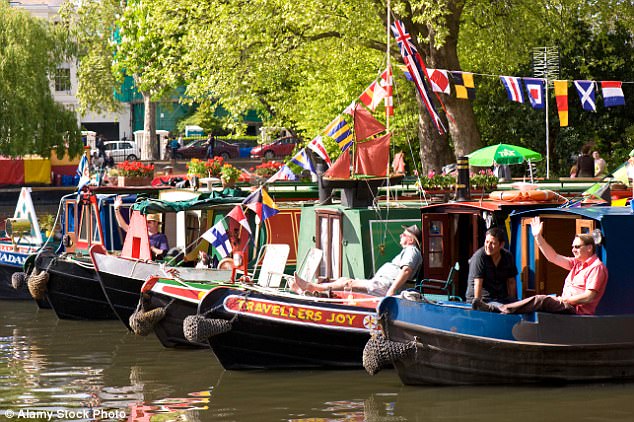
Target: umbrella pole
(530, 170)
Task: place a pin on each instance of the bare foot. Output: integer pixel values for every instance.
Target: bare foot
(292, 284)
(301, 284)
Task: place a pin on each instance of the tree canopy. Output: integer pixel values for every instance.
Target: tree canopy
(31, 122)
(300, 63)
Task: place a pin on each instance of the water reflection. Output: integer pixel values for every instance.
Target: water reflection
(46, 364)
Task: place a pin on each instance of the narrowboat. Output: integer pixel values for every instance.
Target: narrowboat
(449, 343)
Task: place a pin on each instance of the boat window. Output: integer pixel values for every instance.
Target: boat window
(435, 244)
(193, 220)
(83, 223)
(70, 217)
(94, 224)
(329, 239)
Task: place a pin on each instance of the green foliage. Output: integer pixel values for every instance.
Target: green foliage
(31, 122)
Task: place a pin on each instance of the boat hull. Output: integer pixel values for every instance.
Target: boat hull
(284, 331)
(448, 358)
(121, 280)
(73, 288)
(457, 345)
(169, 330)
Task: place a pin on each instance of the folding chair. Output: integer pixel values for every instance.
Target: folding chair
(272, 261)
(309, 266)
(446, 286)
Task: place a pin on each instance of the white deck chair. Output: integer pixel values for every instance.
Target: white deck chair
(272, 260)
(309, 266)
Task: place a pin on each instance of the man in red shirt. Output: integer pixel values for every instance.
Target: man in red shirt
(584, 285)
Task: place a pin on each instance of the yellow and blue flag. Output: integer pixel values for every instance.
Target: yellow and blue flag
(261, 204)
(303, 160)
(339, 130)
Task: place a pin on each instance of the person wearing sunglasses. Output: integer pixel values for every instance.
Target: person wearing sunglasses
(584, 285)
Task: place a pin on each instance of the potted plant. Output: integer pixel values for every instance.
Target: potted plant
(213, 166)
(267, 169)
(135, 173)
(195, 170)
(484, 179)
(229, 175)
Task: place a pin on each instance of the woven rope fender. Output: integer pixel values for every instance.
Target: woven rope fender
(142, 322)
(37, 283)
(380, 352)
(198, 329)
(18, 280)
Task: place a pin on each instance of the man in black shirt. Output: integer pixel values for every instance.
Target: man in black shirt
(492, 271)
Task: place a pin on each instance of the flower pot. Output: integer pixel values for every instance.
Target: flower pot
(134, 181)
(194, 181)
(228, 183)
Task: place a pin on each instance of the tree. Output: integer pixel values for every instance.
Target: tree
(121, 39)
(31, 122)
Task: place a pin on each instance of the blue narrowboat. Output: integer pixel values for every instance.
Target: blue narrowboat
(441, 342)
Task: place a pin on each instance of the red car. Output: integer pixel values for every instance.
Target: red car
(198, 149)
(279, 148)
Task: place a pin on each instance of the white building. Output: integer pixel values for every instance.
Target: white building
(112, 126)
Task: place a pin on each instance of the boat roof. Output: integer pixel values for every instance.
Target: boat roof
(595, 213)
(488, 205)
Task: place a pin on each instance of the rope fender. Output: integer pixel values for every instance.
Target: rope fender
(18, 280)
(197, 328)
(37, 283)
(142, 323)
(380, 353)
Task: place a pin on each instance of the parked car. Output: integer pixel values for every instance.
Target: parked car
(198, 149)
(279, 148)
(120, 150)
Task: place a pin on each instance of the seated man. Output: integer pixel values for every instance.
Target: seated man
(389, 278)
(492, 271)
(582, 290)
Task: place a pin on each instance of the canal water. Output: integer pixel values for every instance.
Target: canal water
(85, 370)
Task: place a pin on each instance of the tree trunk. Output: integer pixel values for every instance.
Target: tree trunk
(149, 145)
(435, 149)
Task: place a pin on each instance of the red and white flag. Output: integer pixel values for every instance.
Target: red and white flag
(238, 215)
(439, 80)
(386, 82)
(318, 147)
(612, 93)
(373, 95)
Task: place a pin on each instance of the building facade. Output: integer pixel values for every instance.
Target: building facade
(112, 126)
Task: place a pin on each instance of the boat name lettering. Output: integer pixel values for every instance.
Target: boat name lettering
(10, 258)
(264, 308)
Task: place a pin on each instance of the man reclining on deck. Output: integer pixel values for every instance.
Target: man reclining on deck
(582, 290)
(389, 278)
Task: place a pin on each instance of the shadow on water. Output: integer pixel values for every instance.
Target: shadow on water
(47, 364)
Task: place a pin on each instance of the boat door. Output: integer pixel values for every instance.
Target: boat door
(436, 246)
(89, 231)
(539, 276)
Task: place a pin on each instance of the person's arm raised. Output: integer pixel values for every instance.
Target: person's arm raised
(536, 228)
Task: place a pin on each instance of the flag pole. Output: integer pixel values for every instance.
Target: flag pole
(390, 79)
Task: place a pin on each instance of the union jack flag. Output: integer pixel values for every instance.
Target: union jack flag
(417, 70)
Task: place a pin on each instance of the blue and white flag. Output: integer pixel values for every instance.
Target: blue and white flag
(284, 173)
(218, 238)
(513, 88)
(535, 91)
(303, 160)
(83, 171)
(585, 89)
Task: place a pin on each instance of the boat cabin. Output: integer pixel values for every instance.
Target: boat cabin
(355, 241)
(613, 230)
(453, 231)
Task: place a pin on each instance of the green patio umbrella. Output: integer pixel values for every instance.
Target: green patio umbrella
(502, 154)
